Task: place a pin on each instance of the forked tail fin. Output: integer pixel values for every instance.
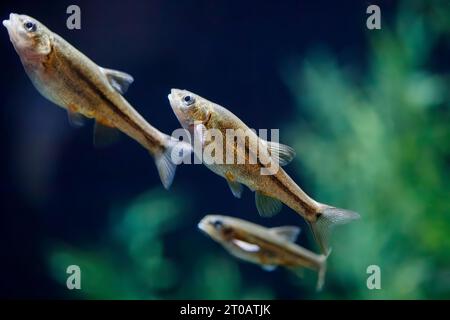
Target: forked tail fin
(327, 219)
(174, 150)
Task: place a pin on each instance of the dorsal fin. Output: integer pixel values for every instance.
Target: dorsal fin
(120, 81)
(289, 233)
(281, 153)
(104, 135)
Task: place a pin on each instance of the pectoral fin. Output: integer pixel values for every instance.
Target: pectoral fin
(281, 153)
(104, 135)
(268, 267)
(120, 81)
(289, 233)
(75, 119)
(267, 206)
(236, 187)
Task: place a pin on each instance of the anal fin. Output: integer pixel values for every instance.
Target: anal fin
(104, 135)
(267, 206)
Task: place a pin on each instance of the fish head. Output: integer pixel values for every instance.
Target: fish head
(31, 39)
(189, 108)
(219, 228)
(233, 234)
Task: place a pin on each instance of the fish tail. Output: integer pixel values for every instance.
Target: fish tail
(167, 161)
(322, 271)
(327, 219)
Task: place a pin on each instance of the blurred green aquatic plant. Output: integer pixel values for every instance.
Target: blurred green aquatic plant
(378, 142)
(133, 261)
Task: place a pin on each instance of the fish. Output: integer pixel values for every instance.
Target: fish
(200, 116)
(267, 247)
(69, 79)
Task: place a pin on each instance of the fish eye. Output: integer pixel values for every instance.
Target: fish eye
(188, 100)
(217, 224)
(30, 26)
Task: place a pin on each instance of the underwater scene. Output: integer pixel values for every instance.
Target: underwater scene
(243, 150)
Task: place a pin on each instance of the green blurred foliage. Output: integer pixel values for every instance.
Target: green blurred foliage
(132, 263)
(376, 139)
(373, 138)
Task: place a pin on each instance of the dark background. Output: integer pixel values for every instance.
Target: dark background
(56, 187)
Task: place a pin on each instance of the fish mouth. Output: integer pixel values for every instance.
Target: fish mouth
(172, 98)
(207, 221)
(8, 23)
(174, 91)
(176, 95)
(175, 105)
(202, 226)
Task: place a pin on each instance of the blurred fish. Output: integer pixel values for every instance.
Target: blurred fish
(71, 80)
(267, 247)
(199, 116)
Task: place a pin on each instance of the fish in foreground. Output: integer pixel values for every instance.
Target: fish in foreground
(198, 116)
(72, 81)
(268, 247)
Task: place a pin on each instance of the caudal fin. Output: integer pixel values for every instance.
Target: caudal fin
(322, 271)
(327, 220)
(167, 162)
